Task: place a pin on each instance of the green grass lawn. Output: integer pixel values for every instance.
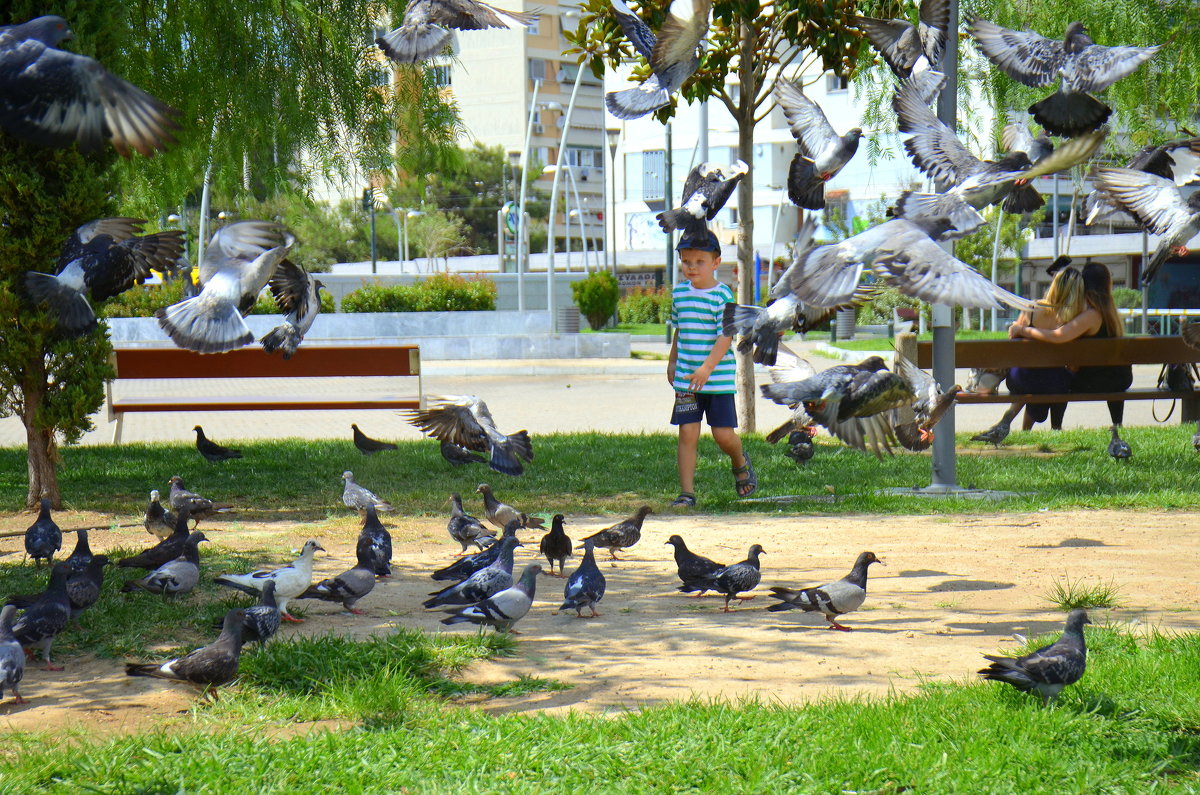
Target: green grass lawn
(636, 329)
(614, 474)
(885, 343)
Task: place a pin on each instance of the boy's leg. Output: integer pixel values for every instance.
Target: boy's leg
(689, 440)
(731, 445)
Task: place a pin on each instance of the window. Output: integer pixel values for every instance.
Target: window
(653, 166)
(834, 83)
(441, 75)
(537, 69)
(584, 157)
(535, 27)
(568, 71)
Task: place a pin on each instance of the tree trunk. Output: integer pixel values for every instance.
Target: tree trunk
(42, 455)
(745, 291)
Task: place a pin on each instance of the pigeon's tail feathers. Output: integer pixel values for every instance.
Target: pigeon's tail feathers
(780, 433)
(520, 444)
(230, 582)
(69, 306)
(633, 103)
(680, 219)
(285, 337)
(1023, 199)
(1161, 254)
(1070, 114)
(766, 347)
(805, 187)
(739, 319)
(1004, 669)
(457, 618)
(205, 326)
(1191, 335)
(415, 43)
(143, 669)
(506, 455)
(790, 599)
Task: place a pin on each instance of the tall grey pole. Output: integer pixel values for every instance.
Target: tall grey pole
(522, 232)
(944, 475)
(558, 168)
(702, 137)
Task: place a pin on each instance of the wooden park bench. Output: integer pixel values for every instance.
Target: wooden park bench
(996, 354)
(337, 360)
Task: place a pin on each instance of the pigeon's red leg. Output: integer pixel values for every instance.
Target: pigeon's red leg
(835, 625)
(355, 611)
(17, 698)
(52, 667)
(745, 598)
(290, 617)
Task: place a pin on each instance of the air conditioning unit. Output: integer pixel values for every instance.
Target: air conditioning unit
(583, 174)
(539, 128)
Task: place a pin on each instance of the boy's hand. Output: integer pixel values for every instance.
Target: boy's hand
(699, 378)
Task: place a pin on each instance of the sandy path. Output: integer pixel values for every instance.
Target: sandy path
(953, 589)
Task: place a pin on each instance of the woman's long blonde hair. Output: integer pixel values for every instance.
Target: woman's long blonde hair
(1064, 297)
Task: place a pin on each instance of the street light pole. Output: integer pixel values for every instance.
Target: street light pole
(579, 212)
(558, 167)
(524, 177)
(614, 137)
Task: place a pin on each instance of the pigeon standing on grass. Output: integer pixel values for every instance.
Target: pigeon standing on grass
(465, 420)
(53, 97)
(694, 570)
(357, 498)
(823, 153)
(1049, 669)
(174, 577)
(738, 578)
(262, 620)
(832, 599)
(196, 506)
(298, 296)
(479, 586)
(623, 534)
(12, 657)
(103, 258)
(209, 666)
(504, 609)
(556, 545)
(705, 192)
(368, 446)
(585, 586)
(82, 554)
(376, 543)
(47, 616)
(1118, 448)
(1159, 208)
(995, 434)
(348, 587)
(43, 538)
(158, 521)
(800, 445)
(84, 585)
(428, 27)
(465, 566)
(466, 529)
(213, 452)
(671, 54)
(164, 551)
(290, 581)
(903, 45)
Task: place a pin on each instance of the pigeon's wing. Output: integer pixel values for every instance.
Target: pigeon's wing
(888, 38)
(1056, 664)
(677, 38)
(1097, 68)
(471, 15)
(933, 26)
(933, 147)
(451, 421)
(290, 286)
(1176, 160)
(116, 228)
(1154, 201)
(695, 179)
(637, 31)
(238, 244)
(791, 368)
(1017, 137)
(805, 118)
(1071, 152)
(1023, 55)
(920, 382)
(130, 261)
(724, 188)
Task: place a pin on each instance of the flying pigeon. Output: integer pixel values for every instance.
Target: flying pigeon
(733, 580)
(1017, 137)
(460, 455)
(357, 498)
(464, 567)
(43, 538)
(349, 586)
(1049, 669)
(556, 545)
(82, 554)
(237, 264)
(209, 666)
(479, 586)
(705, 191)
(466, 529)
(504, 609)
(174, 577)
(823, 153)
(828, 387)
(1084, 66)
(929, 404)
(368, 446)
(197, 507)
(792, 369)
(101, 259)
(500, 514)
(164, 551)
(428, 27)
(1158, 207)
(158, 520)
(262, 620)
(290, 581)
(12, 657)
(298, 296)
(585, 585)
(623, 534)
(1177, 161)
(83, 585)
(903, 45)
(53, 97)
(694, 570)
(375, 542)
(832, 599)
(671, 54)
(995, 434)
(464, 420)
(46, 616)
(213, 452)
(1118, 448)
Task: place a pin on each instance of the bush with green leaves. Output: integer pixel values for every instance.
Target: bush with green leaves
(597, 297)
(145, 300)
(879, 309)
(438, 293)
(1127, 298)
(645, 305)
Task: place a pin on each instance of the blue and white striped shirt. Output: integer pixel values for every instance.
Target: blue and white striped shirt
(697, 316)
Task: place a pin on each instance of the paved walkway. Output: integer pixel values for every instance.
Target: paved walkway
(543, 396)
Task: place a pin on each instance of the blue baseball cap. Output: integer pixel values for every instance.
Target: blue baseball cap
(700, 242)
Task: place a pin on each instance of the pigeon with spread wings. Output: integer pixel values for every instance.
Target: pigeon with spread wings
(1177, 161)
(429, 25)
(298, 296)
(671, 54)
(903, 44)
(1159, 208)
(823, 153)
(705, 192)
(464, 420)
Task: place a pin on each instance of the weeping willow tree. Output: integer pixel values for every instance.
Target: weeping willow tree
(272, 93)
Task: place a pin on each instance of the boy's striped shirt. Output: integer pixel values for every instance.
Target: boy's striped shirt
(697, 316)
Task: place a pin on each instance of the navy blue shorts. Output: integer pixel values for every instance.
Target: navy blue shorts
(694, 406)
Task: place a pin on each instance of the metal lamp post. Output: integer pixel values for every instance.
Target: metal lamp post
(614, 138)
(409, 214)
(558, 167)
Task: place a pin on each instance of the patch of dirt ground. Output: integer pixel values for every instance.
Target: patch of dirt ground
(953, 589)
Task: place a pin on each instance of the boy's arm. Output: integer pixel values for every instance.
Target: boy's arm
(700, 377)
(671, 358)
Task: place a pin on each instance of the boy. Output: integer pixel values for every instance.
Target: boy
(701, 367)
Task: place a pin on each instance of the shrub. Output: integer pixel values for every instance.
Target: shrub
(265, 305)
(645, 305)
(879, 309)
(1127, 298)
(142, 301)
(439, 293)
(597, 296)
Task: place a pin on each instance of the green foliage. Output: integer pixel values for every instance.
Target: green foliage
(976, 249)
(438, 293)
(1127, 298)
(1067, 594)
(437, 234)
(265, 305)
(645, 305)
(142, 301)
(596, 296)
(879, 309)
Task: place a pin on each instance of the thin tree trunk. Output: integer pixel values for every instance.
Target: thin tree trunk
(42, 449)
(745, 292)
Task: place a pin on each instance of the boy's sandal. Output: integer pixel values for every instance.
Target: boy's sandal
(747, 485)
(685, 500)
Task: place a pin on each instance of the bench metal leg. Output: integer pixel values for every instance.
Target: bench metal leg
(116, 437)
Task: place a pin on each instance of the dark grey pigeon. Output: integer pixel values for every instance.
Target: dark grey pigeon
(1177, 161)
(357, 498)
(12, 657)
(823, 153)
(694, 570)
(82, 555)
(197, 507)
(83, 586)
(158, 521)
(705, 192)
(209, 666)
(465, 566)
(738, 578)
(1158, 207)
(556, 545)
(504, 609)
(298, 296)
(376, 543)
(671, 54)
(365, 444)
(238, 262)
(1118, 448)
(458, 456)
(466, 421)
(262, 621)
(53, 97)
(903, 45)
(832, 599)
(164, 551)
(348, 587)
(178, 576)
(466, 529)
(623, 534)
(43, 538)
(500, 513)
(1084, 66)
(213, 452)
(585, 585)
(429, 25)
(995, 434)
(483, 583)
(800, 446)
(102, 258)
(47, 616)
(1049, 669)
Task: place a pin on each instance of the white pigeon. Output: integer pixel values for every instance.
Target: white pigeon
(832, 599)
(290, 581)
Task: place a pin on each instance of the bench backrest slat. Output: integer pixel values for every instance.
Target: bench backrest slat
(309, 361)
(1079, 353)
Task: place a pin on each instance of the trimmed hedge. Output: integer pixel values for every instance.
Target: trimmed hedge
(597, 296)
(645, 305)
(438, 293)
